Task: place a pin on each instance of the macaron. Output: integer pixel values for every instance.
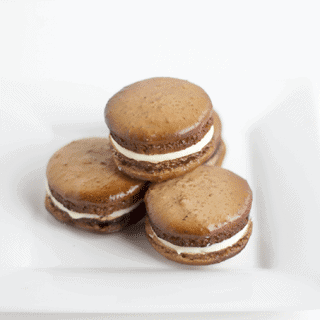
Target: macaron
(85, 189)
(217, 158)
(162, 128)
(200, 218)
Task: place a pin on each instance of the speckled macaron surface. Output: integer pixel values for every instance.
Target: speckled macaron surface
(201, 217)
(85, 188)
(162, 128)
(217, 158)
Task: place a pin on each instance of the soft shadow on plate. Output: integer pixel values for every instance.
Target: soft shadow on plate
(285, 157)
(29, 180)
(136, 239)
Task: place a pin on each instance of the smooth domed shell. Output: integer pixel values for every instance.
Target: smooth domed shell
(199, 202)
(84, 171)
(158, 109)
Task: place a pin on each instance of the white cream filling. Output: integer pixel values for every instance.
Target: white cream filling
(156, 158)
(78, 215)
(211, 248)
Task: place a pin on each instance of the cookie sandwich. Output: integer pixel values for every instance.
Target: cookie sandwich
(217, 158)
(162, 128)
(200, 218)
(85, 189)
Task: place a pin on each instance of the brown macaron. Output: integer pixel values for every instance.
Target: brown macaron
(85, 188)
(162, 128)
(200, 218)
(218, 156)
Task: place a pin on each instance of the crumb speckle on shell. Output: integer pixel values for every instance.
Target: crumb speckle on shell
(181, 208)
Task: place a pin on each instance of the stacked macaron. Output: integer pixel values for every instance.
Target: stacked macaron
(162, 128)
(85, 188)
(199, 218)
(165, 136)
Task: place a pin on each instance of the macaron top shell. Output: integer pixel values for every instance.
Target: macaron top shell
(198, 203)
(158, 109)
(84, 171)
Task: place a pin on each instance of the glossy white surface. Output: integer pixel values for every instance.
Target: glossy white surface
(259, 63)
(55, 267)
(298, 315)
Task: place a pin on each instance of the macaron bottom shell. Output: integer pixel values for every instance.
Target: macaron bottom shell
(94, 225)
(200, 258)
(157, 172)
(218, 156)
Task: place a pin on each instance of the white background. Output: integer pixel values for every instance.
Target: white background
(243, 53)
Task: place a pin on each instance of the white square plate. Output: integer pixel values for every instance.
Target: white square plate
(46, 266)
